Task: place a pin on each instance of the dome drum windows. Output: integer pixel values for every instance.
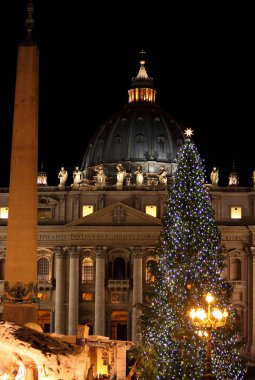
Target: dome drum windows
(161, 141)
(139, 139)
(117, 139)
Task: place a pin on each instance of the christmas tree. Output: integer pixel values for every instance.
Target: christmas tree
(189, 265)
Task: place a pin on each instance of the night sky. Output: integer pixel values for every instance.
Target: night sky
(200, 55)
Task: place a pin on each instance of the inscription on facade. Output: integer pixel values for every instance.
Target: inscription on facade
(114, 236)
(55, 237)
(92, 236)
(235, 237)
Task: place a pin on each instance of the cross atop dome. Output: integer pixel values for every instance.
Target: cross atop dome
(142, 52)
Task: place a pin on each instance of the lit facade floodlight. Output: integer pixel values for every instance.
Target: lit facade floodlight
(207, 320)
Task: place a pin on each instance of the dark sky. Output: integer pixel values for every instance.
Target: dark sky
(200, 54)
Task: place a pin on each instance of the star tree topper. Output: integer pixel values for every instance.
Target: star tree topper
(188, 132)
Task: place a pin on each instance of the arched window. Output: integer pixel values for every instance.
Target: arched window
(235, 270)
(87, 270)
(150, 265)
(43, 269)
(119, 269)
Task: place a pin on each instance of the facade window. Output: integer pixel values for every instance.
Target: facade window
(87, 296)
(149, 277)
(117, 139)
(161, 141)
(87, 209)
(236, 212)
(87, 270)
(139, 138)
(4, 212)
(44, 213)
(43, 269)
(119, 269)
(151, 210)
(43, 296)
(235, 270)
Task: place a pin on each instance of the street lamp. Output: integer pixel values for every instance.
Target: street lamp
(208, 320)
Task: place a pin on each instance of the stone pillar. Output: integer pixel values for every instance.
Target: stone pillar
(108, 323)
(2, 263)
(137, 288)
(52, 320)
(100, 292)
(252, 332)
(75, 201)
(62, 211)
(129, 323)
(60, 291)
(73, 309)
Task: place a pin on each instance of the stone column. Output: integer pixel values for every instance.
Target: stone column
(100, 292)
(129, 325)
(73, 309)
(108, 323)
(252, 331)
(2, 263)
(137, 288)
(60, 291)
(52, 319)
(75, 201)
(62, 211)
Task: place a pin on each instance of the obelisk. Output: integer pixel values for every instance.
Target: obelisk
(21, 249)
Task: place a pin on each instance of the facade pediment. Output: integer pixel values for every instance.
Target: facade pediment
(117, 214)
(235, 252)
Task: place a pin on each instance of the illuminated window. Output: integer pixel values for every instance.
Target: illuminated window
(87, 296)
(43, 296)
(150, 264)
(4, 212)
(44, 213)
(151, 210)
(236, 213)
(87, 270)
(87, 209)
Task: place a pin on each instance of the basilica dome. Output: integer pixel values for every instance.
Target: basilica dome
(142, 133)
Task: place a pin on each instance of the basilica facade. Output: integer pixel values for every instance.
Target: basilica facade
(97, 235)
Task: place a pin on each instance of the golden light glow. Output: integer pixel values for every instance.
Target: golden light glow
(207, 318)
(209, 298)
(206, 321)
(188, 132)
